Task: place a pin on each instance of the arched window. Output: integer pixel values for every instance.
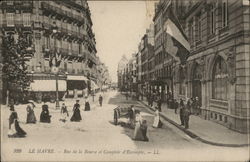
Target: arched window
(220, 84)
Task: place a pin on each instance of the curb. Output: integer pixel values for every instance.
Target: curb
(193, 135)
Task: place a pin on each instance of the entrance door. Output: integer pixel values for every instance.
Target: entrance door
(197, 89)
(196, 82)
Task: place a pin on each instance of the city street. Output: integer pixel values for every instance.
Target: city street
(96, 137)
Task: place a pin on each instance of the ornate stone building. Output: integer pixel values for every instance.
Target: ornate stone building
(73, 41)
(218, 68)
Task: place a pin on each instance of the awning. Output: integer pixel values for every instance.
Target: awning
(75, 77)
(47, 85)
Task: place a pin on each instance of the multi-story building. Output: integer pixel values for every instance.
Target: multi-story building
(73, 41)
(121, 73)
(217, 70)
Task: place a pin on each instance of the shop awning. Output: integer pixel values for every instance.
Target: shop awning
(47, 85)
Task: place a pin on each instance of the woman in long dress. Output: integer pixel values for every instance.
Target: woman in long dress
(138, 121)
(64, 113)
(87, 105)
(45, 116)
(31, 118)
(14, 128)
(157, 121)
(76, 113)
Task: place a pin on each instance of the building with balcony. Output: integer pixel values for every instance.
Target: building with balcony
(217, 70)
(73, 42)
(122, 74)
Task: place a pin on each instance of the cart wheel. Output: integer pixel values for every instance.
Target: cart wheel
(115, 118)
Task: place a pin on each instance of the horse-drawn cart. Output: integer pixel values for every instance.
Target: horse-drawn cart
(123, 112)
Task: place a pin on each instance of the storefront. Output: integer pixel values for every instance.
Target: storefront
(76, 86)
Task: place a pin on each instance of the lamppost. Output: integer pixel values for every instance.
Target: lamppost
(55, 63)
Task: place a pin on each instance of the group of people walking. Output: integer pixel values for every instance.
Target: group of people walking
(16, 131)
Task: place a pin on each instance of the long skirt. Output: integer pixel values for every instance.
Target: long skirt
(16, 131)
(87, 106)
(76, 116)
(31, 118)
(157, 122)
(138, 133)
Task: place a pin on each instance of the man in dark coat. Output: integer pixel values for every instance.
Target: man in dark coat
(186, 114)
(100, 100)
(176, 105)
(45, 117)
(182, 114)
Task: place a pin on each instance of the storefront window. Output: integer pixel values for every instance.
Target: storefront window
(219, 84)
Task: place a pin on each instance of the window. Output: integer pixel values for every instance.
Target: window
(219, 82)
(212, 19)
(199, 27)
(26, 19)
(10, 19)
(224, 13)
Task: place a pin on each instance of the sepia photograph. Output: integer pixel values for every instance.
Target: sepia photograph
(124, 80)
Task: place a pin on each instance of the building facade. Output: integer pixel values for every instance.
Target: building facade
(217, 70)
(73, 42)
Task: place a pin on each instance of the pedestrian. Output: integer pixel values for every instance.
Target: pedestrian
(131, 113)
(15, 130)
(157, 121)
(64, 113)
(151, 100)
(159, 103)
(186, 114)
(144, 128)
(87, 105)
(197, 106)
(76, 117)
(126, 94)
(45, 116)
(182, 114)
(176, 105)
(31, 118)
(138, 122)
(181, 102)
(100, 100)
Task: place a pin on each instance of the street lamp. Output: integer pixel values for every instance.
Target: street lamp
(56, 64)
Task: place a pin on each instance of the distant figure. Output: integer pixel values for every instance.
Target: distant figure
(31, 118)
(176, 105)
(100, 100)
(64, 113)
(182, 114)
(159, 103)
(76, 117)
(131, 114)
(87, 105)
(197, 106)
(157, 121)
(45, 117)
(186, 114)
(14, 128)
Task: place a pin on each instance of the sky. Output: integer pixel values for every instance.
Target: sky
(119, 27)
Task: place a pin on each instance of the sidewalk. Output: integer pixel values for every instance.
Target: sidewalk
(204, 130)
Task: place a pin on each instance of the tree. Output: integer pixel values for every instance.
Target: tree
(15, 55)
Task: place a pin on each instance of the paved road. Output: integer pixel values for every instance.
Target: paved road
(97, 138)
